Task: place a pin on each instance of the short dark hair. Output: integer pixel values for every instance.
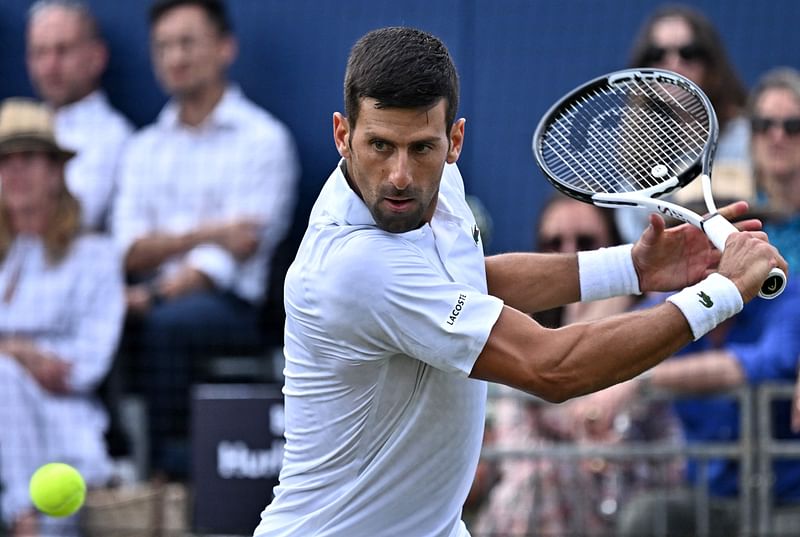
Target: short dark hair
(400, 67)
(215, 9)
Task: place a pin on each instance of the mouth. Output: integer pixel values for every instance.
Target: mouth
(399, 204)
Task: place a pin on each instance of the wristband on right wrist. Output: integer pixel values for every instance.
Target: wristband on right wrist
(607, 272)
(707, 303)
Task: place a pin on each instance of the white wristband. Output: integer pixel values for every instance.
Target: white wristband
(707, 303)
(607, 272)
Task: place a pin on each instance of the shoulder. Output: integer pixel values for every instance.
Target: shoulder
(370, 254)
(258, 121)
(149, 136)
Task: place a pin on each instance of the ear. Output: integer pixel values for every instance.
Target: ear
(98, 58)
(341, 134)
(456, 140)
(229, 49)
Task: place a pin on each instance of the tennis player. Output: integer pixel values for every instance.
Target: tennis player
(395, 318)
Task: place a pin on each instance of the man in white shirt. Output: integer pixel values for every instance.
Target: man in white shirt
(394, 316)
(206, 194)
(66, 57)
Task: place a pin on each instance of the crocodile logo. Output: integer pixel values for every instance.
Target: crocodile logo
(705, 300)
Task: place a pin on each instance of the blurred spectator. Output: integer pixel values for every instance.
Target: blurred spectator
(61, 313)
(206, 194)
(682, 39)
(774, 111)
(66, 56)
(761, 344)
(559, 497)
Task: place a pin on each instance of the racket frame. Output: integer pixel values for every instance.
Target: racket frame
(716, 227)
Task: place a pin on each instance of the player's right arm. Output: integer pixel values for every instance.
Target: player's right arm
(585, 357)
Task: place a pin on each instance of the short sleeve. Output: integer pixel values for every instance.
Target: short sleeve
(400, 303)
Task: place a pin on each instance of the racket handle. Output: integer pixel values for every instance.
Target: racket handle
(718, 229)
(774, 285)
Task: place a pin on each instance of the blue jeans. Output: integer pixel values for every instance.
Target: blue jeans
(167, 346)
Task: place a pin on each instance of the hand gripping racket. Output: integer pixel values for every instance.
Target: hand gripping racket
(632, 136)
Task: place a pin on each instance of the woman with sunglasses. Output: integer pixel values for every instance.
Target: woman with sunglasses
(681, 39)
(774, 111)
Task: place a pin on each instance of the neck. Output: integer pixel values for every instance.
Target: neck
(196, 108)
(785, 192)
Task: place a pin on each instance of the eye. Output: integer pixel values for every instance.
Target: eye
(380, 145)
(422, 148)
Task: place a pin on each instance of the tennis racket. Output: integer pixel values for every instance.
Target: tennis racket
(629, 137)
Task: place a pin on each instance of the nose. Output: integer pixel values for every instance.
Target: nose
(400, 172)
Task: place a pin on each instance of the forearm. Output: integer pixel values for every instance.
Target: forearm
(149, 252)
(700, 373)
(533, 282)
(580, 358)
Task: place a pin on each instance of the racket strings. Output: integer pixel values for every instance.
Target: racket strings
(610, 139)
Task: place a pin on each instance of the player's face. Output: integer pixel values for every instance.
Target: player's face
(776, 152)
(189, 54)
(395, 158)
(64, 62)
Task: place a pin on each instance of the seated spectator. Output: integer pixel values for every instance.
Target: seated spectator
(61, 311)
(562, 497)
(774, 111)
(206, 194)
(761, 344)
(66, 56)
(682, 39)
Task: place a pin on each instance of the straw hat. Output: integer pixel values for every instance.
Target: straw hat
(27, 125)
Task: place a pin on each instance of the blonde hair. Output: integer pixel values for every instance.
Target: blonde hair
(63, 228)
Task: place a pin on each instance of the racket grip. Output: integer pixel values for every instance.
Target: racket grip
(718, 229)
(774, 285)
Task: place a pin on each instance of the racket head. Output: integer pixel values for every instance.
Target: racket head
(648, 131)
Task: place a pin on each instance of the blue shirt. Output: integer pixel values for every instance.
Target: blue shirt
(765, 339)
(785, 236)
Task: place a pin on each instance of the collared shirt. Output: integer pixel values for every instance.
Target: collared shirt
(97, 132)
(383, 425)
(240, 162)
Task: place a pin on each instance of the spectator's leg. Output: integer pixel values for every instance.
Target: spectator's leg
(174, 335)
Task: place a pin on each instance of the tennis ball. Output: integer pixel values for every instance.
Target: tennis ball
(57, 489)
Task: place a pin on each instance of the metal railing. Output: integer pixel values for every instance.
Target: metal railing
(755, 450)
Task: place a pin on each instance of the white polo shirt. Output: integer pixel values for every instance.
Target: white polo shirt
(383, 425)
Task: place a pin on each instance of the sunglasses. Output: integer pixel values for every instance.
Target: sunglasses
(690, 53)
(790, 125)
(582, 242)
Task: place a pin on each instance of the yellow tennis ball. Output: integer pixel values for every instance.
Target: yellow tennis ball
(57, 489)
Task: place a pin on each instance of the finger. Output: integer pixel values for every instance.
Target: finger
(752, 224)
(654, 230)
(734, 210)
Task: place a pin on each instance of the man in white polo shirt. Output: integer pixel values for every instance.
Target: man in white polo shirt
(394, 316)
